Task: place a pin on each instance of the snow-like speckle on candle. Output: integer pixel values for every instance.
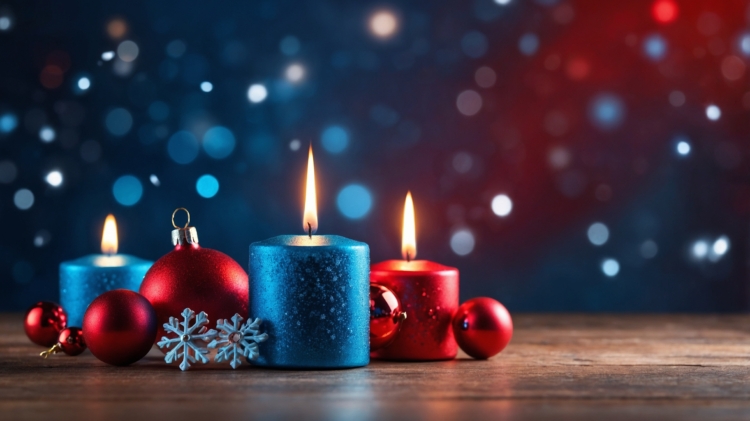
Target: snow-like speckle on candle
(313, 296)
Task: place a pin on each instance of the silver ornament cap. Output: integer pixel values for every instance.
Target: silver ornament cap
(186, 234)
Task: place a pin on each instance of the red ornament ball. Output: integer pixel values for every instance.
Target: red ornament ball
(43, 323)
(71, 341)
(385, 316)
(198, 278)
(482, 327)
(120, 327)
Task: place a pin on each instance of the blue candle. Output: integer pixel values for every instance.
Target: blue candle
(312, 293)
(86, 278)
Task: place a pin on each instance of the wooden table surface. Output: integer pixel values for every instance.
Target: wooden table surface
(577, 367)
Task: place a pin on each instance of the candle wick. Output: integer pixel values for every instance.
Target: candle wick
(309, 230)
(408, 257)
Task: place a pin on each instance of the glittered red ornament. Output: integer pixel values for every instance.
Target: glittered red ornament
(43, 323)
(194, 277)
(385, 316)
(120, 327)
(482, 327)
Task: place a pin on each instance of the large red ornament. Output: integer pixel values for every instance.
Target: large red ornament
(482, 327)
(43, 323)
(194, 277)
(120, 327)
(385, 316)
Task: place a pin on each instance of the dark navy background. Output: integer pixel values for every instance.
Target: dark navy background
(587, 121)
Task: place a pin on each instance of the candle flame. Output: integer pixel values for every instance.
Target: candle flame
(109, 236)
(409, 235)
(310, 217)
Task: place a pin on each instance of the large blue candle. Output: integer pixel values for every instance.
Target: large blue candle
(86, 278)
(312, 293)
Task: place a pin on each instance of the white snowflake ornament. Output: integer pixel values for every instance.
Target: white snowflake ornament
(187, 339)
(236, 340)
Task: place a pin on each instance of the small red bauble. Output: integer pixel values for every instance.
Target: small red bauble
(482, 327)
(43, 323)
(385, 316)
(71, 341)
(194, 277)
(120, 327)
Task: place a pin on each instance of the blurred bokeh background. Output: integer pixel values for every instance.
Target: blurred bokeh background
(571, 155)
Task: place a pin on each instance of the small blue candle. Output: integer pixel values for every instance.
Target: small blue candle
(312, 293)
(86, 278)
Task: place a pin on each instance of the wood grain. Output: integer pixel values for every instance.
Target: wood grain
(583, 367)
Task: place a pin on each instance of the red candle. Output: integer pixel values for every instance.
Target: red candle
(428, 293)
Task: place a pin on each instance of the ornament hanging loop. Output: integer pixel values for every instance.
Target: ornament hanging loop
(54, 350)
(187, 224)
(186, 234)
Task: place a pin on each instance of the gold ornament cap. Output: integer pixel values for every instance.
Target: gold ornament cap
(186, 234)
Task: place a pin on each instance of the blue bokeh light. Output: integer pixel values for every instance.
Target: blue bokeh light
(289, 45)
(607, 111)
(335, 139)
(81, 83)
(283, 90)
(257, 93)
(207, 186)
(84, 83)
(158, 111)
(8, 122)
(176, 48)
(354, 201)
(218, 142)
(743, 43)
(47, 134)
(528, 44)
(474, 44)
(682, 145)
(127, 190)
(384, 115)
(683, 148)
(611, 267)
(118, 122)
(183, 147)
(655, 47)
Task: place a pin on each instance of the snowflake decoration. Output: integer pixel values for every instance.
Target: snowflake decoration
(187, 339)
(236, 340)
